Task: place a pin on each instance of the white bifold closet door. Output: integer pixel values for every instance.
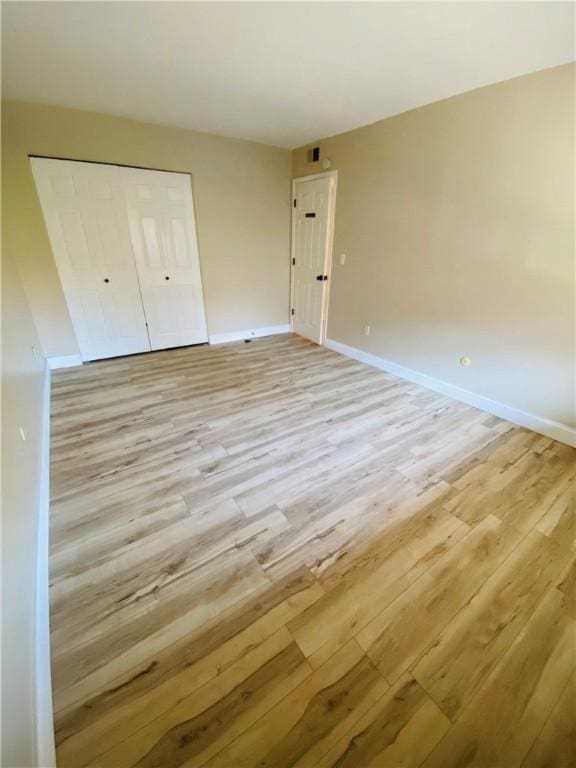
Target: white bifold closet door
(161, 217)
(85, 214)
(124, 242)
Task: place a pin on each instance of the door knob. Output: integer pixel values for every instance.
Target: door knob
(166, 278)
(321, 277)
(106, 280)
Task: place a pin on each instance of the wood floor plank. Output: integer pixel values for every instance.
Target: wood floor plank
(455, 666)
(516, 700)
(305, 724)
(239, 532)
(153, 687)
(567, 581)
(399, 731)
(215, 586)
(555, 746)
(395, 638)
(201, 724)
(558, 520)
(345, 610)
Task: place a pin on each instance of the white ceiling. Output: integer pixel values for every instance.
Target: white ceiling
(279, 73)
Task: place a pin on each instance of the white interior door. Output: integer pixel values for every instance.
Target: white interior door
(161, 217)
(311, 245)
(85, 214)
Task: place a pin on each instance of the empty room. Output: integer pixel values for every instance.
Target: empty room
(288, 384)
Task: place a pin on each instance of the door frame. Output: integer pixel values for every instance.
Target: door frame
(333, 176)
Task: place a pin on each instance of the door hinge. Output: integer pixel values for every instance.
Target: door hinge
(294, 203)
(291, 311)
(293, 262)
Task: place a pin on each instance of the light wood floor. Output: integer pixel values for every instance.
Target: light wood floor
(270, 555)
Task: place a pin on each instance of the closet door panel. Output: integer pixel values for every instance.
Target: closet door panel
(85, 213)
(162, 226)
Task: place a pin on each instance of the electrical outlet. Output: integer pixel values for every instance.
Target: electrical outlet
(342, 259)
(366, 330)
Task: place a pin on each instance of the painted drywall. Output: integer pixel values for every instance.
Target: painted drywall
(457, 221)
(23, 377)
(241, 198)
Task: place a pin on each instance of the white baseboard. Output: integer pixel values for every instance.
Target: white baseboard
(66, 361)
(252, 333)
(45, 749)
(553, 429)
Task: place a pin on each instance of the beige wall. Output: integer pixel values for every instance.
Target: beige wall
(241, 197)
(458, 224)
(22, 406)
